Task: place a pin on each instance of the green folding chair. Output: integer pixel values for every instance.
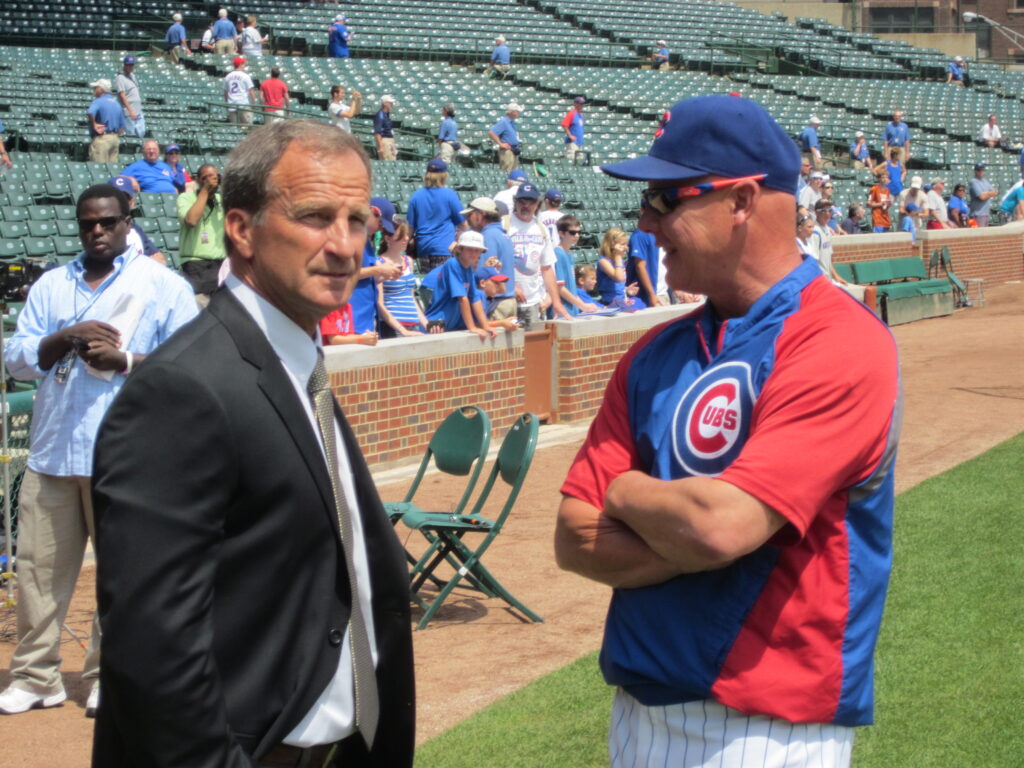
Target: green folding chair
(447, 531)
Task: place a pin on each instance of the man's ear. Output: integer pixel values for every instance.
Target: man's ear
(744, 199)
(238, 227)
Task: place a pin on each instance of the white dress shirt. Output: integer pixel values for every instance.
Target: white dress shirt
(332, 716)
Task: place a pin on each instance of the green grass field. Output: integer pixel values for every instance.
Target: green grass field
(950, 660)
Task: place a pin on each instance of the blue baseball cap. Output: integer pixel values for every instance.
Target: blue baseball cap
(718, 136)
(124, 184)
(517, 175)
(172, 148)
(129, 59)
(553, 195)
(911, 207)
(489, 273)
(387, 213)
(527, 192)
(437, 165)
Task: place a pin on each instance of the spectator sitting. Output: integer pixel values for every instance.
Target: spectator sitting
(851, 224)
(611, 273)
(958, 212)
(956, 71)
(586, 283)
(492, 285)
(435, 217)
(880, 201)
(399, 311)
(151, 172)
(504, 199)
(457, 301)
(137, 237)
(551, 214)
(568, 230)
(859, 152)
(910, 221)
(180, 177)
(448, 134)
(337, 328)
(341, 113)
(501, 57)
(808, 141)
(991, 135)
(250, 41)
(660, 56)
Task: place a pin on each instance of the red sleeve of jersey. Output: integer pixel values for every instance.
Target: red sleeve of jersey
(567, 120)
(821, 422)
(608, 450)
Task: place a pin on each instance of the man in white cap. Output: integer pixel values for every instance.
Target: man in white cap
(501, 58)
(106, 123)
(808, 141)
(483, 216)
(913, 194)
(859, 151)
(504, 134)
(239, 93)
(937, 214)
(660, 55)
(956, 70)
(175, 41)
(338, 38)
(127, 88)
(224, 33)
(384, 130)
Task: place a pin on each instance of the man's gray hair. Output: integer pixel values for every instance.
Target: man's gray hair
(246, 184)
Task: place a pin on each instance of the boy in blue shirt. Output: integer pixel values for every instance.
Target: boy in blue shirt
(457, 300)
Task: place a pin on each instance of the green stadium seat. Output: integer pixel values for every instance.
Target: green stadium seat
(11, 249)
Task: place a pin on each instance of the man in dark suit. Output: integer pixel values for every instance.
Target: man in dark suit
(246, 569)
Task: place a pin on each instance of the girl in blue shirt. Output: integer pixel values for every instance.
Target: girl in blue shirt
(611, 273)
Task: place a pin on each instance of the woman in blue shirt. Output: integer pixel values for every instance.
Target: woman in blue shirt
(897, 172)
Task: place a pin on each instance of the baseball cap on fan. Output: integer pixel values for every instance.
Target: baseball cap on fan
(726, 136)
(386, 210)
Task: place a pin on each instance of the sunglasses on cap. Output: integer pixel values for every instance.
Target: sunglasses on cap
(107, 222)
(664, 199)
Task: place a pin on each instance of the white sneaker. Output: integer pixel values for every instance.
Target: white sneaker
(93, 702)
(14, 700)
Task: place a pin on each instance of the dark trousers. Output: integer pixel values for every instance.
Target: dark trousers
(202, 274)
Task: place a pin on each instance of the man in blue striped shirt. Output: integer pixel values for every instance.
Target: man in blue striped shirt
(84, 328)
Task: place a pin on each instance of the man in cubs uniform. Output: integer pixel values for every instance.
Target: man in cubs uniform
(736, 487)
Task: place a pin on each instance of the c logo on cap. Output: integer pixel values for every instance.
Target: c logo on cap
(712, 419)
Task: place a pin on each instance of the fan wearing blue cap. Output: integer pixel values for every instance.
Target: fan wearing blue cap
(374, 268)
(737, 470)
(435, 216)
(126, 86)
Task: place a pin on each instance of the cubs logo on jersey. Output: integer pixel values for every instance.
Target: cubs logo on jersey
(712, 419)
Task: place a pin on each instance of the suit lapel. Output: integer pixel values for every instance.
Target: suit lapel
(274, 382)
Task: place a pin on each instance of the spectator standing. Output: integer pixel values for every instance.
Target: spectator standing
(914, 194)
(126, 86)
(1012, 205)
(201, 236)
(660, 57)
(224, 34)
(448, 134)
(399, 311)
(504, 198)
(897, 134)
(206, 43)
(804, 231)
(536, 287)
(340, 112)
(572, 124)
(642, 266)
(611, 273)
(859, 152)
(106, 124)
(137, 238)
(482, 216)
(457, 301)
(338, 38)
(896, 170)
(808, 141)
(955, 71)
(569, 230)
(250, 41)
(812, 192)
(84, 328)
(505, 135)
(383, 130)
(880, 200)
(911, 220)
(151, 172)
(805, 173)
(491, 284)
(434, 213)
(981, 193)
(959, 214)
(180, 177)
(991, 135)
(239, 93)
(501, 57)
(552, 212)
(854, 216)
(373, 269)
(176, 41)
(275, 96)
(938, 215)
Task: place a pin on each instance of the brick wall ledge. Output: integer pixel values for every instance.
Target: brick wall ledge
(624, 321)
(346, 357)
(1014, 228)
